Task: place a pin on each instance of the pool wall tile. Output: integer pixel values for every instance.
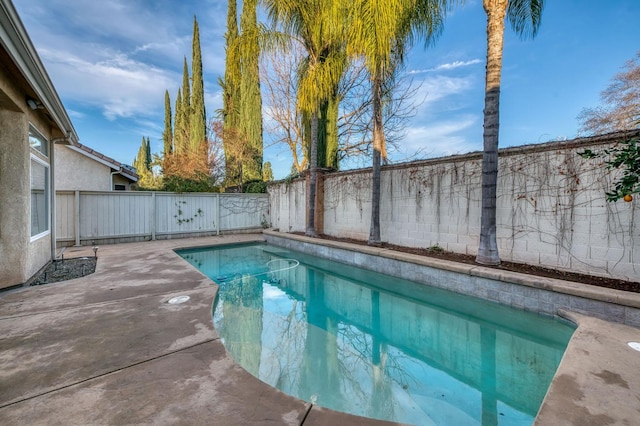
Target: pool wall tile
(614, 312)
(547, 308)
(507, 298)
(517, 301)
(531, 304)
(632, 316)
(535, 294)
(583, 305)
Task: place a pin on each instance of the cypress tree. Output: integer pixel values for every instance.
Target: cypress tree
(231, 95)
(167, 135)
(250, 97)
(198, 119)
(327, 133)
(185, 109)
(147, 154)
(142, 164)
(178, 131)
(267, 172)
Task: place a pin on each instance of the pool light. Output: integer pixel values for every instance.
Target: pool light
(178, 299)
(634, 345)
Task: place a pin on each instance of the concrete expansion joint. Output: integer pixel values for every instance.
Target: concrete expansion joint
(306, 414)
(96, 304)
(107, 373)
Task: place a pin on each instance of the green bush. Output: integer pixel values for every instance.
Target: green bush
(625, 157)
(180, 184)
(255, 187)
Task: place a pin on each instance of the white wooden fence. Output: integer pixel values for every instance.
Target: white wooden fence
(109, 217)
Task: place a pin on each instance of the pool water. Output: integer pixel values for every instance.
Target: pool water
(377, 346)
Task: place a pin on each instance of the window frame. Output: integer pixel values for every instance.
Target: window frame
(43, 159)
(44, 142)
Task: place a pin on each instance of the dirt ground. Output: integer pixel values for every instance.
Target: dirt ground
(439, 253)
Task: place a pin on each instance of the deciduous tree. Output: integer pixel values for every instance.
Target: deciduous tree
(620, 109)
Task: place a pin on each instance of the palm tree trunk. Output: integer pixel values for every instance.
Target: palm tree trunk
(488, 247)
(313, 177)
(378, 151)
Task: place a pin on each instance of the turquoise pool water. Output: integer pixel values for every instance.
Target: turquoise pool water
(378, 346)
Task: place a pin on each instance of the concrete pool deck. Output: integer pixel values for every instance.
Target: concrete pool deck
(109, 349)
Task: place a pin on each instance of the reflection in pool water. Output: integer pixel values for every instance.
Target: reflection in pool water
(378, 346)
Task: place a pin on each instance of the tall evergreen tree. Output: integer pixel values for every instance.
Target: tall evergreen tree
(185, 110)
(231, 95)
(142, 164)
(327, 131)
(187, 167)
(167, 134)
(198, 117)
(147, 154)
(178, 128)
(250, 97)
(267, 172)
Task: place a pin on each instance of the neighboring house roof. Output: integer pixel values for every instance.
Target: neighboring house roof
(17, 44)
(124, 169)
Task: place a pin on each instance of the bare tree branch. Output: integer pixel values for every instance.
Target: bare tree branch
(621, 103)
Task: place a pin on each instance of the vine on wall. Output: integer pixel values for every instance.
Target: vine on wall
(551, 208)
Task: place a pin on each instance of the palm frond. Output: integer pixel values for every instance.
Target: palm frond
(525, 16)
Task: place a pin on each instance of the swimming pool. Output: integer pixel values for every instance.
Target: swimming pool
(378, 346)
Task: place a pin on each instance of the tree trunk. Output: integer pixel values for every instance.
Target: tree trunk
(313, 177)
(378, 152)
(488, 247)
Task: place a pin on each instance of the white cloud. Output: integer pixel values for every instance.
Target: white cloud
(447, 67)
(120, 87)
(434, 89)
(76, 114)
(439, 138)
(120, 56)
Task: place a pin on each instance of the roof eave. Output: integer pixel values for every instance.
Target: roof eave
(16, 42)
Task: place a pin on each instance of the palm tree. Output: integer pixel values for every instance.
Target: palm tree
(524, 16)
(380, 32)
(319, 26)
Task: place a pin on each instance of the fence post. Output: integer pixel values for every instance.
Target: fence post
(76, 216)
(153, 215)
(218, 214)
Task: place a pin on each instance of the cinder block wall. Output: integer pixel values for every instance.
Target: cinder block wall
(551, 207)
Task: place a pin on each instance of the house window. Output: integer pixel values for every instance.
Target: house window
(38, 142)
(119, 187)
(39, 177)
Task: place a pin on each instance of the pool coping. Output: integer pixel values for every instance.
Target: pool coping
(186, 375)
(597, 381)
(608, 304)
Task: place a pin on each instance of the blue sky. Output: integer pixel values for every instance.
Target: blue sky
(112, 60)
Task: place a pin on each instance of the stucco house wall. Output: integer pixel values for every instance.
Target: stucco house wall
(77, 172)
(121, 181)
(81, 168)
(23, 78)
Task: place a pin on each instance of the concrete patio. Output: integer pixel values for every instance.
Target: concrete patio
(109, 349)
